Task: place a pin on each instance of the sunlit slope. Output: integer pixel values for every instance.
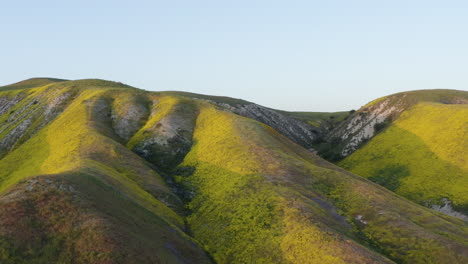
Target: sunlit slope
(99, 172)
(371, 119)
(30, 83)
(304, 129)
(259, 198)
(72, 193)
(423, 155)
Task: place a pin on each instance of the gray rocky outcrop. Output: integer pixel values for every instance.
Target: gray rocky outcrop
(298, 131)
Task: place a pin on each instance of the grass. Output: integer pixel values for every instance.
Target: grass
(30, 83)
(219, 99)
(421, 156)
(313, 118)
(250, 194)
(347, 136)
(111, 229)
(318, 119)
(80, 142)
(235, 204)
(410, 98)
(251, 217)
(253, 185)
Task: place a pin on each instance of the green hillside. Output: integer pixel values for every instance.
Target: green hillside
(30, 83)
(422, 155)
(71, 191)
(316, 119)
(359, 127)
(320, 119)
(93, 171)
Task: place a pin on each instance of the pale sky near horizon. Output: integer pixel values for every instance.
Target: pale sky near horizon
(291, 55)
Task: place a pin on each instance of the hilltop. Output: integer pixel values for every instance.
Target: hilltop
(365, 123)
(415, 144)
(31, 83)
(93, 171)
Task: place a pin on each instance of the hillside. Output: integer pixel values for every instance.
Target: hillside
(365, 123)
(422, 153)
(93, 171)
(30, 83)
(303, 129)
(320, 119)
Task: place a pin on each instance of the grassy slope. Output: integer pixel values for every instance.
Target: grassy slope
(349, 135)
(240, 215)
(444, 96)
(219, 99)
(79, 147)
(254, 196)
(30, 83)
(255, 186)
(317, 119)
(422, 155)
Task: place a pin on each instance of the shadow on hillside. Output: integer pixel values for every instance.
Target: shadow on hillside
(400, 161)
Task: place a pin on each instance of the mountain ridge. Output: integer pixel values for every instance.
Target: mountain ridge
(203, 185)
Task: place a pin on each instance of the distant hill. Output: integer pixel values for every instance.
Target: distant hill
(365, 123)
(420, 150)
(93, 171)
(30, 83)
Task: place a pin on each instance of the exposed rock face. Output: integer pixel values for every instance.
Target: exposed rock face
(32, 113)
(10, 139)
(296, 130)
(6, 103)
(447, 209)
(167, 141)
(56, 105)
(365, 123)
(17, 115)
(126, 125)
(94, 189)
(362, 125)
(16, 124)
(129, 116)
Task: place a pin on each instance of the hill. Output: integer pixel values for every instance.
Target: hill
(30, 83)
(420, 152)
(365, 123)
(99, 172)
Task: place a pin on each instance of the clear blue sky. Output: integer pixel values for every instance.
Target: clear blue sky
(292, 55)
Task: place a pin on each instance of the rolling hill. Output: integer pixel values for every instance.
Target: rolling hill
(93, 171)
(421, 150)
